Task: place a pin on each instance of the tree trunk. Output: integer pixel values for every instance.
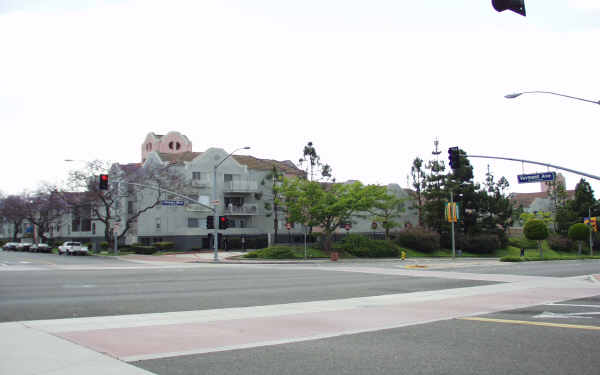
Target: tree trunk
(540, 247)
(327, 242)
(579, 250)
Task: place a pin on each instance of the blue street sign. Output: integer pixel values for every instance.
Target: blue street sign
(536, 177)
(172, 203)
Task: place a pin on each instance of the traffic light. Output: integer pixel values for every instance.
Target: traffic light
(517, 6)
(454, 157)
(103, 182)
(223, 222)
(210, 222)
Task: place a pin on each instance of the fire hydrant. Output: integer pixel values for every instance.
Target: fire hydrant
(403, 255)
(334, 256)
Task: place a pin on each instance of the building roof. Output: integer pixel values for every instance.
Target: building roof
(250, 161)
(130, 168)
(526, 199)
(179, 157)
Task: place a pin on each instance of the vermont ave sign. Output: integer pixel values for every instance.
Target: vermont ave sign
(536, 177)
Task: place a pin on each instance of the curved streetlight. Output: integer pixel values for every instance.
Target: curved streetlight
(214, 202)
(515, 95)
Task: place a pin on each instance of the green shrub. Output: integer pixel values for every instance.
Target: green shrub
(535, 230)
(479, 243)
(560, 243)
(165, 246)
(419, 239)
(104, 245)
(274, 252)
(522, 243)
(141, 249)
(579, 232)
(362, 247)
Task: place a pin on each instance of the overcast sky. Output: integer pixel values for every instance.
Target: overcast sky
(370, 83)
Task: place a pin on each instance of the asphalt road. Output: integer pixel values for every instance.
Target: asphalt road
(73, 293)
(446, 347)
(505, 342)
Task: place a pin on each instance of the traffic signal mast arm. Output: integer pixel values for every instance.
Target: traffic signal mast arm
(171, 192)
(538, 163)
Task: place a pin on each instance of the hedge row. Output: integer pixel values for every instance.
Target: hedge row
(364, 247)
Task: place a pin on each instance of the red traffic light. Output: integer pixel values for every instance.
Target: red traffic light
(103, 182)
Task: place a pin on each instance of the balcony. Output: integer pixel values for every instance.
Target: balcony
(240, 186)
(247, 209)
(201, 183)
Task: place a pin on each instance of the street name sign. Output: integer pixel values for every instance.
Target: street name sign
(172, 203)
(536, 177)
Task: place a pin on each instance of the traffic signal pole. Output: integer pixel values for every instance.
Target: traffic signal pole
(452, 224)
(538, 163)
(591, 233)
(215, 223)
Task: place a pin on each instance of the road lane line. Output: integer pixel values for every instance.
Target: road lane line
(569, 304)
(525, 322)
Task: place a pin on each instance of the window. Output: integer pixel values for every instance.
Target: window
(200, 176)
(234, 201)
(130, 207)
(86, 225)
(93, 228)
(227, 177)
(193, 222)
(242, 223)
(158, 224)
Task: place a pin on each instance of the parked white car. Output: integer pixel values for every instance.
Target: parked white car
(72, 248)
(10, 246)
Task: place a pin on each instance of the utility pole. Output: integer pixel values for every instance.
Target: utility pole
(452, 225)
(591, 232)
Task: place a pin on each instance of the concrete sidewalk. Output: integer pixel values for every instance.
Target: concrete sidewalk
(28, 351)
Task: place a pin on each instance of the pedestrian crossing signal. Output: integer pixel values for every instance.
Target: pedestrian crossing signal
(591, 221)
(452, 214)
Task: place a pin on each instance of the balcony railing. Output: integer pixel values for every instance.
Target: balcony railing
(240, 186)
(201, 183)
(247, 209)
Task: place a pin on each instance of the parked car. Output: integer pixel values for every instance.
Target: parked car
(72, 248)
(10, 246)
(23, 246)
(40, 248)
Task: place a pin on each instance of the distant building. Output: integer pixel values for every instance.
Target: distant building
(539, 201)
(244, 194)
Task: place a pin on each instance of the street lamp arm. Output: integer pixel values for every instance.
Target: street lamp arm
(231, 153)
(512, 96)
(538, 163)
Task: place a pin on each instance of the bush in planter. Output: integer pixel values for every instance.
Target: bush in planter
(560, 243)
(163, 246)
(420, 239)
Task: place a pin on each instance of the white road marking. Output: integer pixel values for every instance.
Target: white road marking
(569, 304)
(548, 314)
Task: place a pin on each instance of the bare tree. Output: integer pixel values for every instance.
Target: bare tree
(43, 208)
(12, 210)
(139, 184)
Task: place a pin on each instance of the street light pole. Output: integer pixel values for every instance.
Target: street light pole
(516, 95)
(214, 203)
